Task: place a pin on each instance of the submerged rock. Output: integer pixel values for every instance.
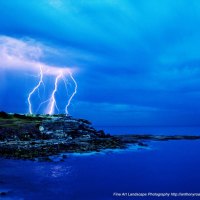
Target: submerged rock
(4, 192)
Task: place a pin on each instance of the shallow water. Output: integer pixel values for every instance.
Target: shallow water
(172, 166)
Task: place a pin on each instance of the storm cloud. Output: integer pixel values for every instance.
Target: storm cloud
(137, 62)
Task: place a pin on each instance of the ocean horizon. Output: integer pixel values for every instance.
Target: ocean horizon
(154, 130)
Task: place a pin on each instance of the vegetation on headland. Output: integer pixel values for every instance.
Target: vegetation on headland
(40, 136)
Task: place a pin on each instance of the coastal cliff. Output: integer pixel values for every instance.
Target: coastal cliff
(29, 137)
(40, 136)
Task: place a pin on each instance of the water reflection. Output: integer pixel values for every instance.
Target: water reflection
(54, 170)
(60, 171)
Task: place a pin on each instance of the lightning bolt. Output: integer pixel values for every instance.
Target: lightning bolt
(52, 103)
(52, 100)
(74, 92)
(34, 89)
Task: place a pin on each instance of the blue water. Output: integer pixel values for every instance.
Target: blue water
(172, 166)
(118, 130)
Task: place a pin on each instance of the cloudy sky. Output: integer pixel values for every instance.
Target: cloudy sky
(135, 62)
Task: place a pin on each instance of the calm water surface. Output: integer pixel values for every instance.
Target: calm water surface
(151, 130)
(172, 166)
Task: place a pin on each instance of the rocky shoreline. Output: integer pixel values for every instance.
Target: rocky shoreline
(30, 137)
(41, 136)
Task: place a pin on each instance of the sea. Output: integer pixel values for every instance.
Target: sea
(163, 170)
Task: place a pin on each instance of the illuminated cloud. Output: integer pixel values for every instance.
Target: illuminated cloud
(26, 55)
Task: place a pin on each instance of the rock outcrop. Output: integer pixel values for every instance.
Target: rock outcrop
(31, 137)
(41, 136)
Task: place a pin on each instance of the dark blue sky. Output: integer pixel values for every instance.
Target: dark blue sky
(136, 62)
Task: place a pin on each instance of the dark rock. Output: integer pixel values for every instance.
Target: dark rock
(64, 156)
(4, 115)
(85, 121)
(43, 136)
(100, 133)
(44, 159)
(3, 193)
(142, 144)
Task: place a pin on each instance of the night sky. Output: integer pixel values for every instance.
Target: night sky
(136, 62)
